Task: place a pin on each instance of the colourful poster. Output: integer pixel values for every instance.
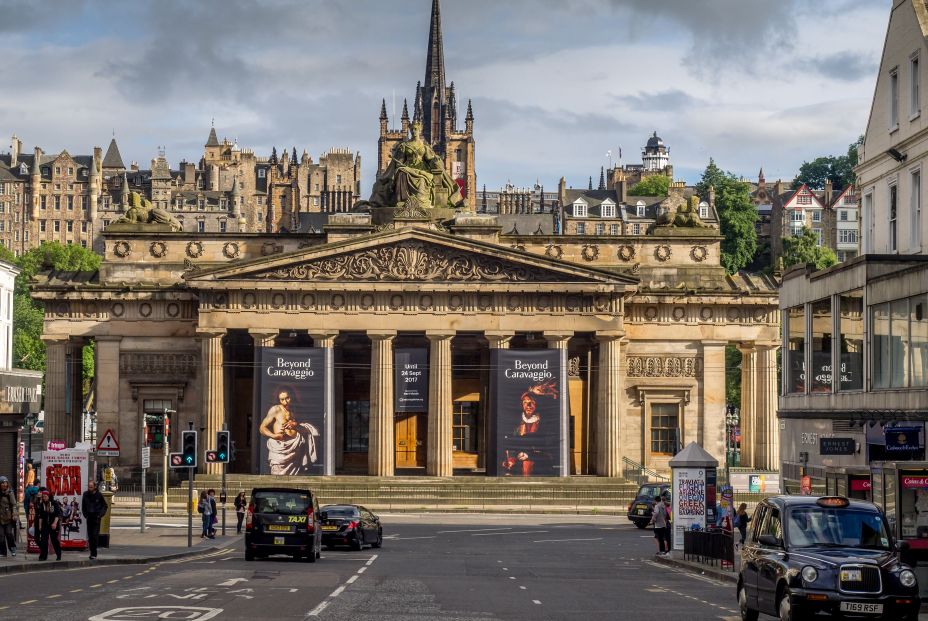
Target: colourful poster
(526, 412)
(65, 474)
(689, 502)
(291, 411)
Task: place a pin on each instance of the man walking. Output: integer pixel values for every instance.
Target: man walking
(93, 505)
(659, 519)
(47, 522)
(9, 517)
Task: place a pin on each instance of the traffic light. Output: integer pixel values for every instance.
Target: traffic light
(223, 448)
(188, 443)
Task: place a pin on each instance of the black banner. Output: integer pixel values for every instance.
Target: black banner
(526, 412)
(291, 410)
(411, 380)
(20, 392)
(837, 446)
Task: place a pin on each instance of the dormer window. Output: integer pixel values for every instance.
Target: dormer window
(23, 169)
(261, 173)
(639, 209)
(608, 209)
(580, 209)
(46, 171)
(704, 210)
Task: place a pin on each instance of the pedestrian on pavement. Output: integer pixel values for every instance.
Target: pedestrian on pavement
(29, 495)
(240, 504)
(211, 495)
(47, 522)
(741, 521)
(9, 517)
(93, 505)
(659, 520)
(30, 475)
(204, 507)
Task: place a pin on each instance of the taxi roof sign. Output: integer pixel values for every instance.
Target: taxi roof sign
(833, 501)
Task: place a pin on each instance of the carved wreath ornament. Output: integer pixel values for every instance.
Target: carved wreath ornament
(230, 250)
(662, 253)
(699, 253)
(122, 249)
(554, 251)
(626, 252)
(411, 260)
(158, 249)
(195, 249)
(590, 252)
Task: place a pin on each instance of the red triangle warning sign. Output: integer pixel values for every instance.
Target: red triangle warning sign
(108, 442)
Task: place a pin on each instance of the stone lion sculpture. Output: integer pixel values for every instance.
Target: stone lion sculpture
(141, 211)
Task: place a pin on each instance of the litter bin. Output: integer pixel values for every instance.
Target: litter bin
(104, 541)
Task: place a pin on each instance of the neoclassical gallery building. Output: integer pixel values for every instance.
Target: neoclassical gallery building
(640, 322)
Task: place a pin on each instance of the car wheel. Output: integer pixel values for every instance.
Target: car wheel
(379, 542)
(786, 610)
(747, 613)
(310, 556)
(640, 524)
(358, 543)
(249, 555)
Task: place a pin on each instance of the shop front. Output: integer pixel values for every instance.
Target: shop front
(20, 395)
(850, 482)
(901, 490)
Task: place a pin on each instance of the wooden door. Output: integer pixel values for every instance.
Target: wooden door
(410, 441)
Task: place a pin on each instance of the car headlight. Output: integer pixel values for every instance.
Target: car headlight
(809, 573)
(907, 578)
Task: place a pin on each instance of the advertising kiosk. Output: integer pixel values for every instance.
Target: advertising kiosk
(848, 481)
(900, 489)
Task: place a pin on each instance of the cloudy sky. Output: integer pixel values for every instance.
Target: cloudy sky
(555, 83)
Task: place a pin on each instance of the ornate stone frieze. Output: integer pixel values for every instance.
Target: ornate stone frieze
(157, 249)
(122, 249)
(662, 366)
(195, 249)
(231, 250)
(554, 251)
(158, 364)
(412, 261)
(626, 252)
(662, 253)
(590, 252)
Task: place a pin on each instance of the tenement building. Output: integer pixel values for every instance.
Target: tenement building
(855, 336)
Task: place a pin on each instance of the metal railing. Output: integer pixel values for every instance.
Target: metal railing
(633, 471)
(710, 547)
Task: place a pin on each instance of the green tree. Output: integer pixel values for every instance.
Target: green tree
(804, 249)
(732, 375)
(653, 185)
(737, 215)
(28, 314)
(837, 169)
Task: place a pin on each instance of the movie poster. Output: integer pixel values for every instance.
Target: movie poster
(526, 412)
(65, 473)
(290, 403)
(411, 380)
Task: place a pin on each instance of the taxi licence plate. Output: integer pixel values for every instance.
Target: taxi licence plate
(279, 528)
(330, 528)
(874, 609)
(641, 512)
(278, 541)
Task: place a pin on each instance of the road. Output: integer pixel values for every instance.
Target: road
(444, 567)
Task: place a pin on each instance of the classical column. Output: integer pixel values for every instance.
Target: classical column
(326, 340)
(766, 429)
(106, 371)
(381, 450)
(262, 338)
(498, 339)
(747, 419)
(56, 387)
(440, 421)
(75, 405)
(610, 408)
(712, 436)
(559, 341)
(213, 412)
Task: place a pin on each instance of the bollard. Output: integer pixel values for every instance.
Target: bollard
(105, 522)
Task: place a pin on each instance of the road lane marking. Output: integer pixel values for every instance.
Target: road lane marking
(318, 609)
(76, 590)
(352, 579)
(338, 591)
(28, 601)
(512, 577)
(535, 601)
(112, 581)
(232, 581)
(52, 596)
(371, 560)
(555, 540)
(522, 587)
(512, 532)
(315, 612)
(95, 586)
(475, 530)
(505, 569)
(362, 570)
(408, 538)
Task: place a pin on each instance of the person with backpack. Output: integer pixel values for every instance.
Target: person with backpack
(9, 517)
(659, 519)
(47, 523)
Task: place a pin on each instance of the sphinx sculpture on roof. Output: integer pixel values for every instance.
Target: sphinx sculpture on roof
(141, 211)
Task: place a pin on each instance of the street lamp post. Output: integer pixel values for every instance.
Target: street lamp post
(30, 421)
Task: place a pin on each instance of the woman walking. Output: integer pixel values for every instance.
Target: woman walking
(205, 508)
(741, 521)
(240, 504)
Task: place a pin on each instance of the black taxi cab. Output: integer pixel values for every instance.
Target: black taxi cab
(283, 520)
(640, 509)
(807, 555)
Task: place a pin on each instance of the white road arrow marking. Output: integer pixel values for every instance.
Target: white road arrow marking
(233, 581)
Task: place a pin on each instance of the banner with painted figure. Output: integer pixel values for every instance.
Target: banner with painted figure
(65, 474)
(525, 412)
(290, 403)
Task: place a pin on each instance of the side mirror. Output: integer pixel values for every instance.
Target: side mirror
(770, 540)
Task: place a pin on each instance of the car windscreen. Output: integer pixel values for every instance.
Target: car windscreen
(836, 527)
(282, 502)
(649, 491)
(341, 512)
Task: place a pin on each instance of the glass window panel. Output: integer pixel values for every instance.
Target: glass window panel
(821, 346)
(357, 415)
(899, 342)
(664, 422)
(852, 340)
(880, 367)
(918, 314)
(796, 335)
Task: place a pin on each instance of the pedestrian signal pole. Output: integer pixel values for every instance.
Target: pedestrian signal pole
(189, 457)
(166, 448)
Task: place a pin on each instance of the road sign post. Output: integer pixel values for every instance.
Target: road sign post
(189, 458)
(166, 446)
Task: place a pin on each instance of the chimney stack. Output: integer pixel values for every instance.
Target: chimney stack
(16, 148)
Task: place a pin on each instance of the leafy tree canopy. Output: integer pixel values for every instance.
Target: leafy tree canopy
(653, 185)
(737, 215)
(803, 249)
(837, 169)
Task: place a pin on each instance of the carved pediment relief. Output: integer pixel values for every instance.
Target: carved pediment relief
(413, 260)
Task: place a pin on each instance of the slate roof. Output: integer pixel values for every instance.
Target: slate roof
(527, 223)
(212, 141)
(113, 159)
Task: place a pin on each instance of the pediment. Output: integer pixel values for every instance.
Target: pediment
(408, 256)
